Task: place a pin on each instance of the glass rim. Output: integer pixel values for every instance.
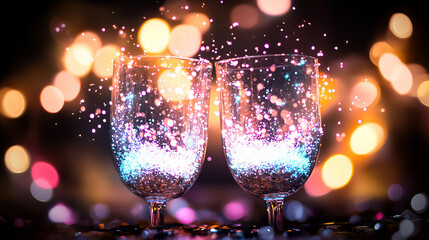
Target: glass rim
(220, 62)
(192, 60)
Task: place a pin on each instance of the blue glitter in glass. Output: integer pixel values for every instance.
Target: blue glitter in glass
(237, 99)
(287, 76)
(130, 96)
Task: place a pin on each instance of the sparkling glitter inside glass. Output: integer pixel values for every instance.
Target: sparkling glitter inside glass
(159, 123)
(271, 125)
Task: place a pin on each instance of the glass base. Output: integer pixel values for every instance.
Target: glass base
(277, 196)
(157, 209)
(275, 212)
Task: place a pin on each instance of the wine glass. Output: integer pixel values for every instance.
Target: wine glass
(271, 124)
(158, 129)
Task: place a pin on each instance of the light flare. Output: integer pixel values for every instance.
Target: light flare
(393, 70)
(61, 213)
(68, 84)
(328, 92)
(154, 35)
(17, 159)
(78, 59)
(186, 215)
(367, 138)
(185, 40)
(235, 210)
(377, 50)
(44, 175)
(423, 93)
(174, 85)
(387, 63)
(364, 93)
(400, 25)
(420, 202)
(52, 99)
(103, 61)
(402, 79)
(337, 171)
(39, 193)
(274, 7)
(419, 75)
(198, 20)
(89, 39)
(13, 103)
(315, 187)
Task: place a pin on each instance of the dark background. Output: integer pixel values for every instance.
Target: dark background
(31, 58)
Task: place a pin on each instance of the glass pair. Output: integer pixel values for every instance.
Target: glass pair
(270, 117)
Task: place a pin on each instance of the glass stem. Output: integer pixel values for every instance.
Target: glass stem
(275, 213)
(157, 209)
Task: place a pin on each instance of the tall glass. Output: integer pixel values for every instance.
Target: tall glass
(159, 125)
(271, 124)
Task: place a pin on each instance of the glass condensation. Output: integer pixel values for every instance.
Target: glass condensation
(159, 123)
(271, 124)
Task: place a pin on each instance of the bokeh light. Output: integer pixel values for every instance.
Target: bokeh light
(68, 84)
(400, 25)
(61, 213)
(175, 204)
(214, 120)
(420, 202)
(295, 211)
(175, 9)
(337, 171)
(44, 175)
(140, 211)
(419, 75)
(198, 20)
(179, 209)
(406, 229)
(423, 93)
(18, 222)
(402, 80)
(185, 40)
(364, 93)
(78, 59)
(41, 194)
(328, 92)
(52, 99)
(90, 39)
(377, 50)
(13, 103)
(82, 53)
(186, 215)
(274, 7)
(103, 61)
(266, 233)
(387, 64)
(173, 85)
(99, 211)
(393, 70)
(395, 192)
(245, 14)
(367, 138)
(315, 187)
(17, 159)
(154, 35)
(235, 210)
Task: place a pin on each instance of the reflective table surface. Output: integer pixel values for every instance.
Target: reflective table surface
(395, 227)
